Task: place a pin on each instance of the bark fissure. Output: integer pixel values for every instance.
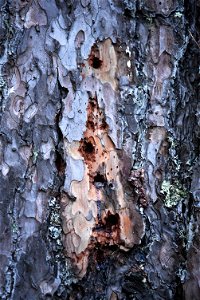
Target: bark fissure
(99, 149)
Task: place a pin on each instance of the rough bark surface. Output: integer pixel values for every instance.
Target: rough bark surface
(99, 149)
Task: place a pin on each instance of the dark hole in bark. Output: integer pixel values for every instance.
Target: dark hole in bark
(99, 181)
(88, 147)
(127, 13)
(99, 178)
(96, 63)
(112, 220)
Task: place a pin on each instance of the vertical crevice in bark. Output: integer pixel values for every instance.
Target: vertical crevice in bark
(59, 151)
(62, 266)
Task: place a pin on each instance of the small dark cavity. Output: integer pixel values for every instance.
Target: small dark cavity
(96, 63)
(112, 220)
(88, 147)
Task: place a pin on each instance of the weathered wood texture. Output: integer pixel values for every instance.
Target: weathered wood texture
(99, 147)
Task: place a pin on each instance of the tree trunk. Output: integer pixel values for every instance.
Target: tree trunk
(99, 148)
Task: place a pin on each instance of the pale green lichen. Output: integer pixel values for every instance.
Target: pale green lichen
(172, 152)
(15, 227)
(178, 14)
(182, 274)
(174, 193)
(35, 156)
(149, 20)
(55, 234)
(2, 83)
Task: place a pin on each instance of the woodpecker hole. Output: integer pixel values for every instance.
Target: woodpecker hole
(112, 220)
(99, 178)
(88, 147)
(96, 62)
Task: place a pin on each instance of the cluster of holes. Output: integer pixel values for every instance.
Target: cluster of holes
(111, 220)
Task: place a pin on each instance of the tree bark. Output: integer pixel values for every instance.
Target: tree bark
(99, 148)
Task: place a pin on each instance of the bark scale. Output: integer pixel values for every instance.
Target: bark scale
(99, 147)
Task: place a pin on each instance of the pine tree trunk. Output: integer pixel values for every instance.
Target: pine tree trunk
(99, 147)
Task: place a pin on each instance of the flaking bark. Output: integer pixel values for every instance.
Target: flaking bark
(99, 149)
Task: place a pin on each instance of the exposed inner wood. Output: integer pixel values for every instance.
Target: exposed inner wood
(97, 219)
(99, 214)
(99, 149)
